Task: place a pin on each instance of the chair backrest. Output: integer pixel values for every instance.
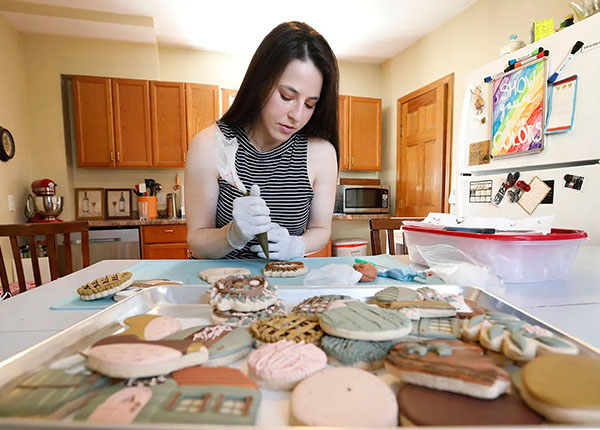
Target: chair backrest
(388, 225)
(49, 230)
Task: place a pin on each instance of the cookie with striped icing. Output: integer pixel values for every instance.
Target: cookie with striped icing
(359, 321)
(362, 354)
(243, 319)
(284, 269)
(316, 305)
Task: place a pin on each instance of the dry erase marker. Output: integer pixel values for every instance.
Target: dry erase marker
(527, 61)
(524, 57)
(491, 78)
(576, 48)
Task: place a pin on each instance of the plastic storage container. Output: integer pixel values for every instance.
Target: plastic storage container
(349, 247)
(515, 258)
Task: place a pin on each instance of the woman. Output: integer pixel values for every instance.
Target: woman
(284, 118)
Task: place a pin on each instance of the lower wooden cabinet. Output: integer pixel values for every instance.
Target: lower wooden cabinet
(165, 242)
(325, 252)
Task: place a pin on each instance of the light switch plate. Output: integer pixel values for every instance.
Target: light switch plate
(11, 203)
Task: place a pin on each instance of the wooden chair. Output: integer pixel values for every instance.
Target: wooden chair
(388, 225)
(49, 230)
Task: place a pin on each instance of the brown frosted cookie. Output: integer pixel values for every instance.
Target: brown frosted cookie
(421, 406)
(369, 272)
(242, 319)
(242, 293)
(105, 286)
(284, 269)
(316, 305)
(287, 327)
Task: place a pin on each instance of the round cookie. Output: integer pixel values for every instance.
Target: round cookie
(361, 354)
(359, 321)
(316, 305)
(105, 286)
(369, 272)
(244, 319)
(563, 388)
(396, 294)
(492, 337)
(421, 406)
(519, 347)
(342, 397)
(555, 345)
(284, 269)
(242, 293)
(281, 365)
(287, 327)
(216, 273)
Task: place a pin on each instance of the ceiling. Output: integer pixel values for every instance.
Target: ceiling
(359, 30)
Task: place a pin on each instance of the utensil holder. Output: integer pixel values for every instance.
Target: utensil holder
(152, 205)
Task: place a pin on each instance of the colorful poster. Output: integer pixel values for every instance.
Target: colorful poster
(518, 111)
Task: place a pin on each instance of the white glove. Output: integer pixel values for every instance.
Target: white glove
(282, 246)
(250, 217)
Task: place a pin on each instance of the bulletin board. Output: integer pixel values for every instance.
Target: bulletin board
(518, 100)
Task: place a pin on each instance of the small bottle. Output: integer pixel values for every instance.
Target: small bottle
(86, 203)
(122, 203)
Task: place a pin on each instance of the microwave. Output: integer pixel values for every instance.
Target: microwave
(362, 199)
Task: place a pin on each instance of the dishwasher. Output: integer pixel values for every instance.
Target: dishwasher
(120, 243)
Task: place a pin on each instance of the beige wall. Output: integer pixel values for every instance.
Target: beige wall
(467, 41)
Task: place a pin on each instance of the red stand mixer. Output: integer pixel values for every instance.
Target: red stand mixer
(45, 206)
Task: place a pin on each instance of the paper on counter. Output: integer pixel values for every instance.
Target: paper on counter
(541, 224)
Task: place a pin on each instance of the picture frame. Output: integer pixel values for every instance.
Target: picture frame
(89, 203)
(118, 203)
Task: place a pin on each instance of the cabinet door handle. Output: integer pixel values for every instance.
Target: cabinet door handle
(118, 156)
(168, 230)
(185, 156)
(112, 156)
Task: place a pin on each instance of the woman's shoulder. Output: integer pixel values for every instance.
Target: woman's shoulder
(317, 146)
(206, 138)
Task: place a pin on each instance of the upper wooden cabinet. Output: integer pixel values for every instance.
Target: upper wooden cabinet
(360, 133)
(167, 112)
(202, 104)
(131, 108)
(92, 103)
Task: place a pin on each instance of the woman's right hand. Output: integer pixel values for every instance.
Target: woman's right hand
(250, 217)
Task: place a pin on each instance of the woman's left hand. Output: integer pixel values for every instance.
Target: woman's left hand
(282, 246)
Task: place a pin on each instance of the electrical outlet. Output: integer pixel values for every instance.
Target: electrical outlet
(162, 199)
(11, 203)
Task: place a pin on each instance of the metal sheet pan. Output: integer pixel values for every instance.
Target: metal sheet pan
(189, 303)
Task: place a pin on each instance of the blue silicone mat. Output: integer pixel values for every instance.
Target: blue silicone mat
(187, 271)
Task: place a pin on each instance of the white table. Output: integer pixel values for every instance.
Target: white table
(572, 305)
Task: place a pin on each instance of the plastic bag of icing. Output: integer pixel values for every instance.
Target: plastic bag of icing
(332, 275)
(456, 267)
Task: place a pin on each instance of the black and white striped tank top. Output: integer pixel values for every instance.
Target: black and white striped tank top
(281, 174)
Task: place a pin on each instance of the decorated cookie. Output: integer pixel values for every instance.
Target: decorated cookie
(151, 327)
(50, 393)
(396, 294)
(242, 293)
(298, 328)
(284, 269)
(492, 337)
(104, 286)
(555, 345)
(563, 388)
(216, 273)
(225, 344)
(421, 308)
(448, 365)
(281, 365)
(359, 321)
(519, 347)
(243, 319)
(421, 406)
(194, 395)
(436, 328)
(127, 355)
(362, 354)
(343, 397)
(369, 272)
(316, 305)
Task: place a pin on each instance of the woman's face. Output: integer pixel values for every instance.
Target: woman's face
(292, 102)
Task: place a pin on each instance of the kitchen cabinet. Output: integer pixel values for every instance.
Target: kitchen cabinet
(165, 242)
(167, 113)
(360, 133)
(131, 111)
(92, 105)
(202, 107)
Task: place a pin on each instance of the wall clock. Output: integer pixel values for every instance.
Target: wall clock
(7, 145)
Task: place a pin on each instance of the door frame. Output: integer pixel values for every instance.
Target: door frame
(448, 83)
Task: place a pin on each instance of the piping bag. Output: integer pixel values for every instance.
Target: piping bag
(225, 151)
(405, 274)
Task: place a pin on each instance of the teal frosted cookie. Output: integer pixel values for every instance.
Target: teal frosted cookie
(359, 321)
(316, 305)
(362, 354)
(396, 294)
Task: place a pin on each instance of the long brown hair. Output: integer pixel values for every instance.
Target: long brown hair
(286, 42)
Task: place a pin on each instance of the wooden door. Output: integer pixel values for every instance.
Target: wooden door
(365, 133)
(227, 97)
(343, 131)
(131, 108)
(93, 121)
(422, 172)
(202, 107)
(167, 115)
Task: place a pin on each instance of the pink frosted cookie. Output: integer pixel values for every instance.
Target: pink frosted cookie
(344, 396)
(282, 364)
(122, 407)
(151, 327)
